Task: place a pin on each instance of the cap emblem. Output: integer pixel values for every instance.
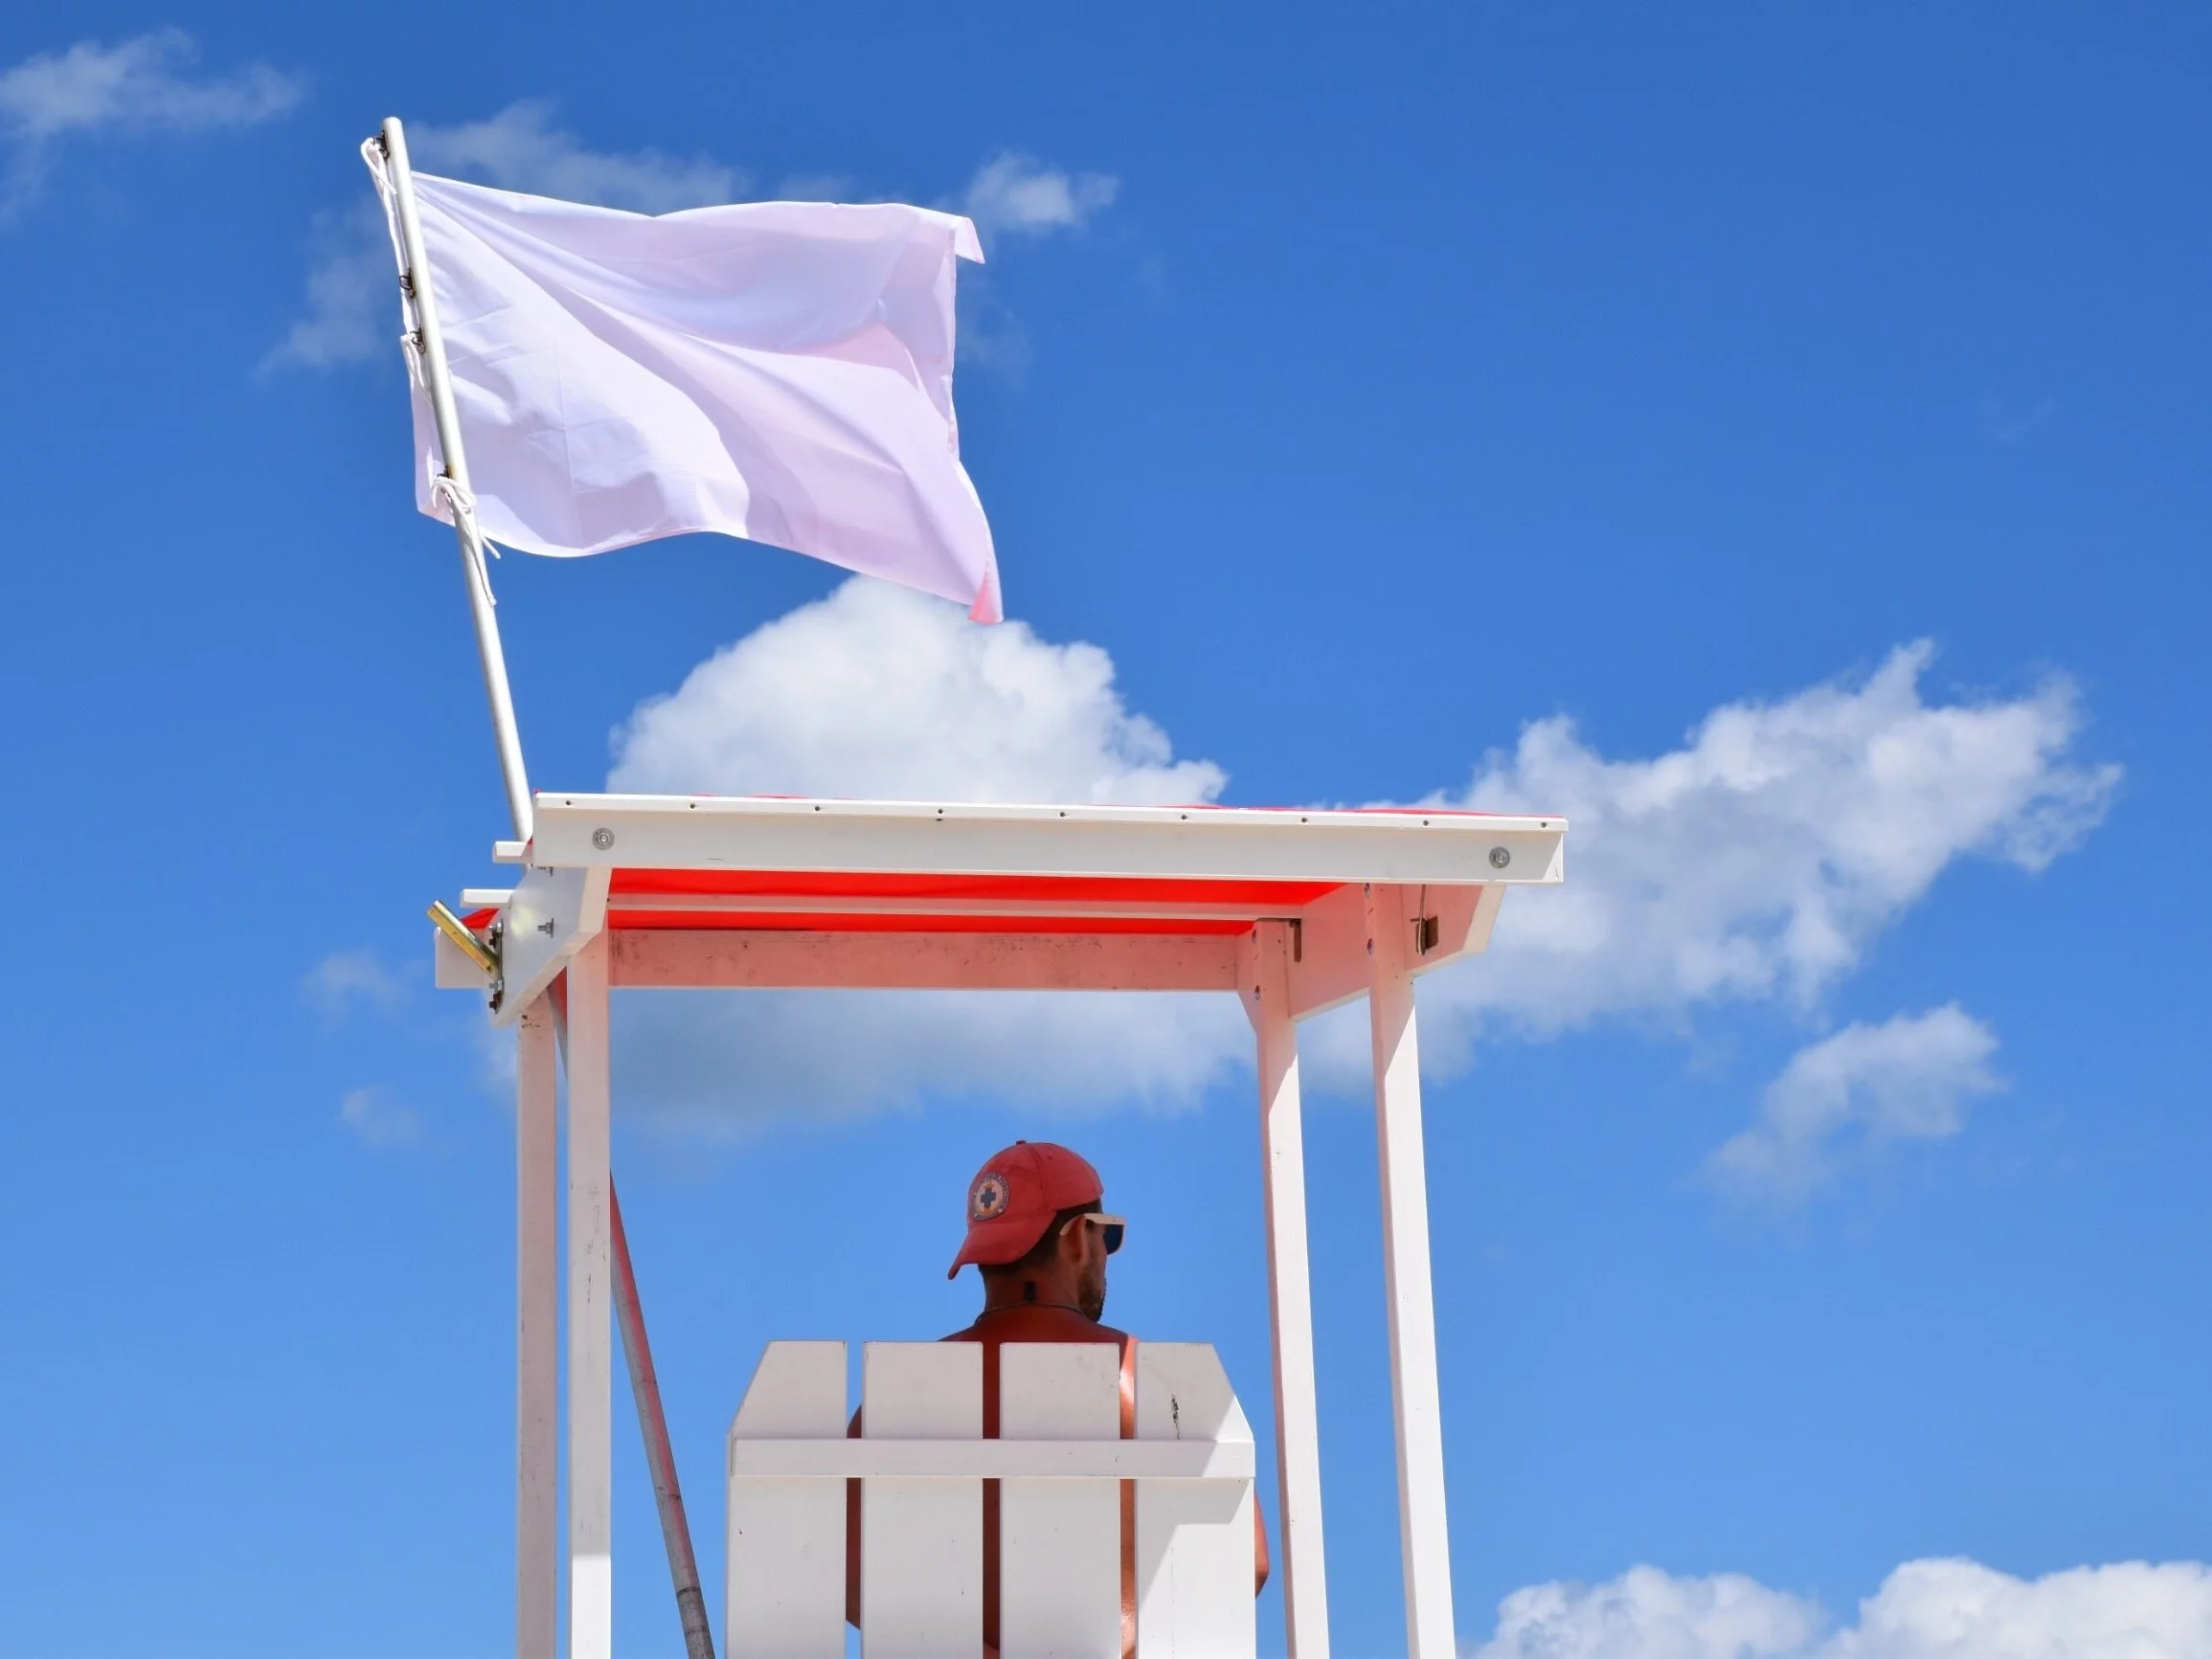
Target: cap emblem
(987, 1197)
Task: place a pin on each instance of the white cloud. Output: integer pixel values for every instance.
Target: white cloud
(143, 84)
(345, 979)
(1756, 863)
(140, 85)
(1753, 865)
(353, 308)
(1019, 196)
(1647, 1614)
(1911, 1078)
(520, 148)
(1927, 1609)
(378, 1122)
(1959, 1609)
(876, 691)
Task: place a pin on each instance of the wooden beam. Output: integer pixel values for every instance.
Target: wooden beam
(1424, 1534)
(591, 1313)
(1266, 991)
(672, 958)
(1407, 846)
(536, 1335)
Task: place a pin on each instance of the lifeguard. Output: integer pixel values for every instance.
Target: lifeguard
(1040, 1239)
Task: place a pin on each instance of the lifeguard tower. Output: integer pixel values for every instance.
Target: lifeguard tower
(1292, 911)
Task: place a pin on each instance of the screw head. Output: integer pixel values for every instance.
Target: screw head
(1500, 857)
(603, 839)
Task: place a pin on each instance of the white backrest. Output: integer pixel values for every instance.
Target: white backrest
(1194, 1541)
(786, 1571)
(921, 1541)
(1060, 1463)
(1060, 1540)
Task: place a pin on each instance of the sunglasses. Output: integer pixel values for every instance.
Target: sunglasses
(1112, 1226)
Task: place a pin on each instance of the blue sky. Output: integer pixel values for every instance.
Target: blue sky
(1773, 436)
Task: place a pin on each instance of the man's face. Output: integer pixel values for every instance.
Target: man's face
(1090, 1272)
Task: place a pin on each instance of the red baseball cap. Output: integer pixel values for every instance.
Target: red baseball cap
(1014, 1197)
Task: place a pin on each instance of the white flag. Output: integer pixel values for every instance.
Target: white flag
(777, 371)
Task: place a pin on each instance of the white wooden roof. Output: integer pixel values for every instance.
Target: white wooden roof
(771, 890)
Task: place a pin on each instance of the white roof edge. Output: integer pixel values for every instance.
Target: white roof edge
(1230, 843)
(1410, 818)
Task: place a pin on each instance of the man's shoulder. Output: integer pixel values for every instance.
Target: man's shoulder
(1038, 1325)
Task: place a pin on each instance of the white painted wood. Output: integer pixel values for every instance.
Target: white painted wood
(797, 1395)
(1300, 1550)
(682, 832)
(591, 902)
(922, 1466)
(536, 1335)
(1489, 901)
(761, 960)
(1453, 910)
(1060, 1540)
(1194, 1555)
(1330, 964)
(451, 968)
(1423, 1532)
(540, 929)
(590, 1312)
(1445, 859)
(921, 1580)
(785, 1583)
(1039, 1459)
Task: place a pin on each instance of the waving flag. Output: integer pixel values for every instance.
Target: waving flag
(777, 371)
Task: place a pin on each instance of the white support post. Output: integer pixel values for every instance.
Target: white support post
(422, 300)
(536, 1335)
(1423, 1534)
(1267, 1000)
(591, 1313)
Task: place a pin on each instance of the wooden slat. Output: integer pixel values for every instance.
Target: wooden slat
(876, 1458)
(1194, 1538)
(1060, 1540)
(786, 1547)
(922, 1540)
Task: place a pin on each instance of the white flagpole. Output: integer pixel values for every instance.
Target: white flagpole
(414, 282)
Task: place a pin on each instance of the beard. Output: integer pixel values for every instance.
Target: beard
(1090, 1293)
